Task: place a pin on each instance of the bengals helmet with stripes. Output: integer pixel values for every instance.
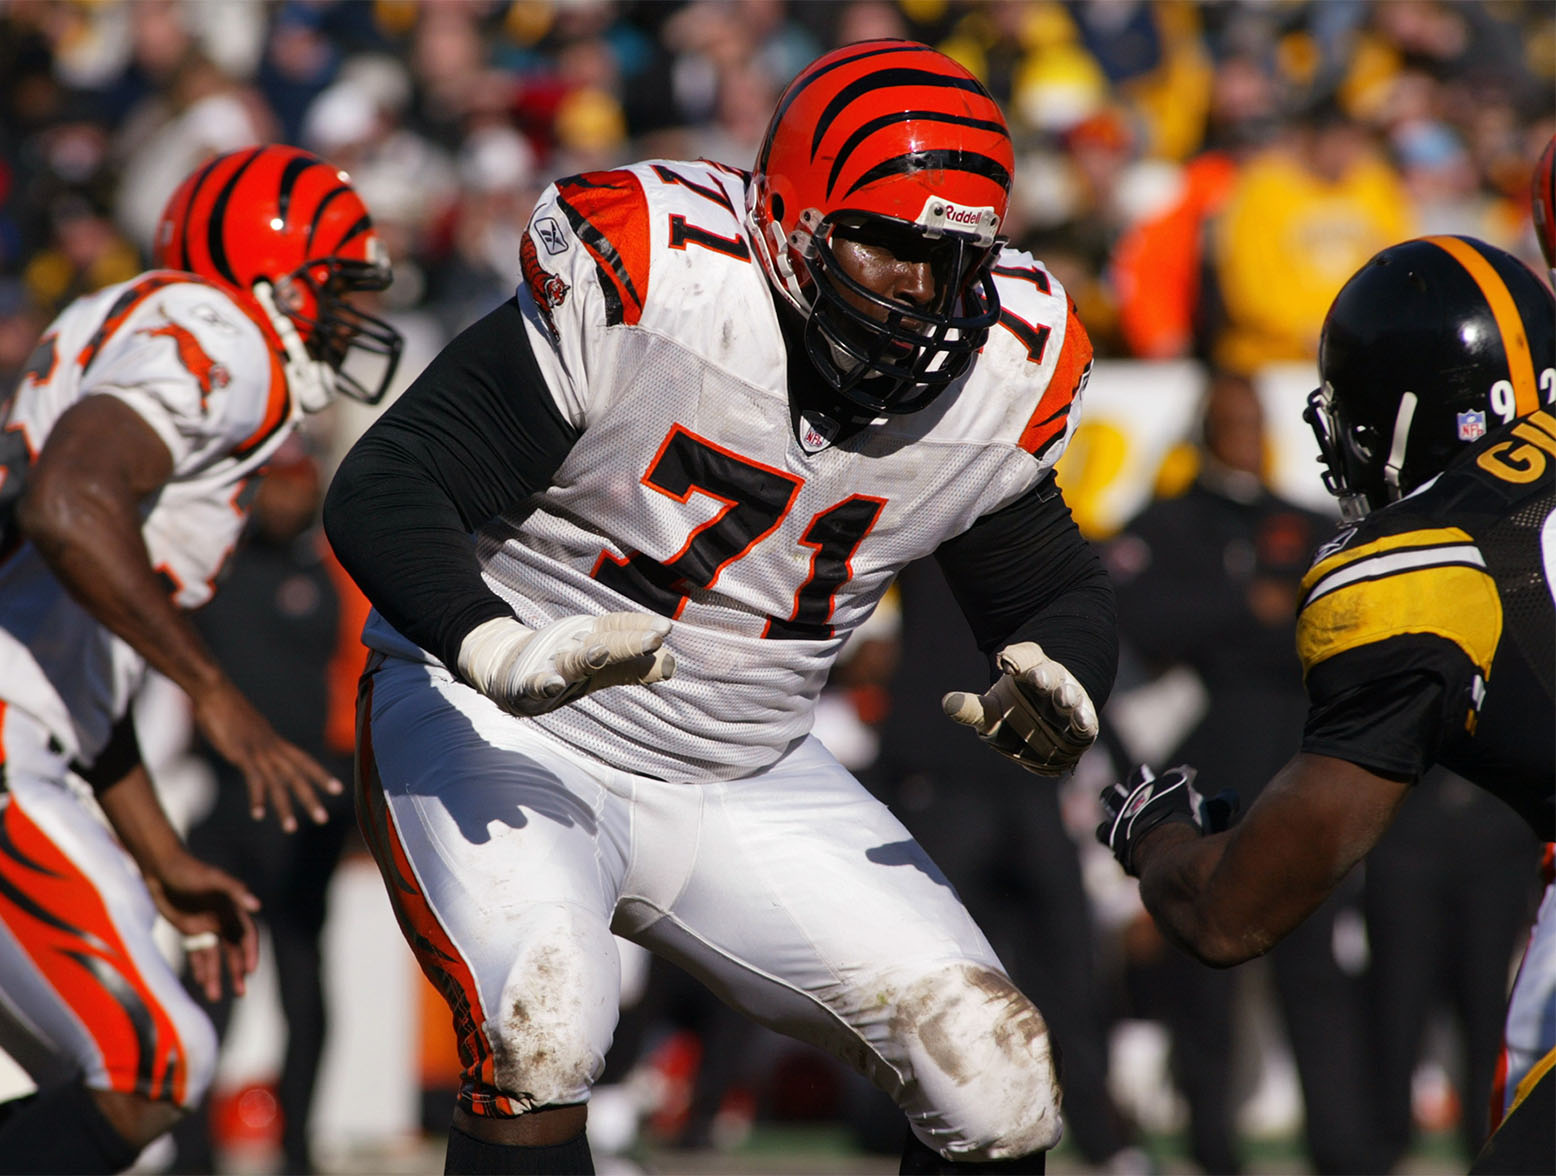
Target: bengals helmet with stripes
(889, 141)
(1429, 346)
(280, 216)
(1543, 193)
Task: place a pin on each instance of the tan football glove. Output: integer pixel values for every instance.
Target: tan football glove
(1036, 713)
(531, 671)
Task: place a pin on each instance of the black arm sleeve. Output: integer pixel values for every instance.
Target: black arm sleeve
(474, 434)
(120, 756)
(1026, 573)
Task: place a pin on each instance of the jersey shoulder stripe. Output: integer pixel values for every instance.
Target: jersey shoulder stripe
(123, 306)
(1432, 581)
(1429, 538)
(278, 406)
(608, 213)
(1071, 371)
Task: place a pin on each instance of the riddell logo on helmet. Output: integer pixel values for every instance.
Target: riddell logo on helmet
(940, 215)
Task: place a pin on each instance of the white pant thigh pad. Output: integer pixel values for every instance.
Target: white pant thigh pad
(798, 897)
(517, 852)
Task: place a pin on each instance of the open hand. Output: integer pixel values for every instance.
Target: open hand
(277, 773)
(213, 911)
(1036, 713)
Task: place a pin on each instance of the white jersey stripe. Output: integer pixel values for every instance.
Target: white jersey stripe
(1393, 562)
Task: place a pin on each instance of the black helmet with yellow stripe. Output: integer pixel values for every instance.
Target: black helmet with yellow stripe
(1429, 346)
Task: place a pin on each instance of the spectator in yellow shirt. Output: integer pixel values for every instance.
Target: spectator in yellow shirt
(1302, 217)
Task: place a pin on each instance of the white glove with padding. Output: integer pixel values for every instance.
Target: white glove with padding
(531, 671)
(1036, 713)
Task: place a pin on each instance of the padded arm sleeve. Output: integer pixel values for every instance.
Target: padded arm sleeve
(1026, 573)
(477, 432)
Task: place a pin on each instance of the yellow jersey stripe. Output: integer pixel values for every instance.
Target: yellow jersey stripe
(1457, 603)
(1530, 1080)
(1515, 342)
(1431, 537)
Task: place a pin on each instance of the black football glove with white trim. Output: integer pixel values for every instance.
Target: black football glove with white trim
(1134, 807)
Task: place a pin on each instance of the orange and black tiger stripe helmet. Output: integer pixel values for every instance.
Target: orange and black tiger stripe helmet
(1543, 194)
(282, 216)
(892, 137)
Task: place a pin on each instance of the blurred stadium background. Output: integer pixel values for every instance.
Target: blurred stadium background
(1201, 176)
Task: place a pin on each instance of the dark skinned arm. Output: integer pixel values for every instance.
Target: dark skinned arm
(1232, 896)
(192, 895)
(81, 511)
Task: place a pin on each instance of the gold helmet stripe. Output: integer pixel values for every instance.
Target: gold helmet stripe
(1515, 340)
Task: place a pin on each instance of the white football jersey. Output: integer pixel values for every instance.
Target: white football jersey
(688, 492)
(208, 379)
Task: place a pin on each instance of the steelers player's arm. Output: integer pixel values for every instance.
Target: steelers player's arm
(99, 464)
(1392, 636)
(475, 433)
(1231, 896)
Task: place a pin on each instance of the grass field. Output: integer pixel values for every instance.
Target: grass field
(820, 1150)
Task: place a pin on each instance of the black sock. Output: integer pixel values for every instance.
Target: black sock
(62, 1131)
(469, 1156)
(919, 1160)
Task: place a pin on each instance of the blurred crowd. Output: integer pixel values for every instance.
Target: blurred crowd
(1202, 177)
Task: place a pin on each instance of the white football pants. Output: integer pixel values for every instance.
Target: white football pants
(84, 990)
(793, 894)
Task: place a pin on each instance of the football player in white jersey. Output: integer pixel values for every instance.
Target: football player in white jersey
(616, 534)
(127, 451)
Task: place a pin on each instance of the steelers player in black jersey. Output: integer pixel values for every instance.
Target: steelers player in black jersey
(1424, 629)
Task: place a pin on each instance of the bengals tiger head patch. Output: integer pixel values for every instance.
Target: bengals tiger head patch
(547, 289)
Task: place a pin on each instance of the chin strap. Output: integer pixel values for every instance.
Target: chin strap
(312, 381)
(1407, 412)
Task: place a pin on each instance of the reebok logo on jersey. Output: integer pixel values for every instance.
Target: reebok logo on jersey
(551, 235)
(1332, 546)
(213, 318)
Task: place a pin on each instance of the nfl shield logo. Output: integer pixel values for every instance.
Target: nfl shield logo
(1472, 425)
(816, 432)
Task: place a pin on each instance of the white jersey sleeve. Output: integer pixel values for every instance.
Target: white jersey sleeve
(174, 357)
(584, 258)
(205, 377)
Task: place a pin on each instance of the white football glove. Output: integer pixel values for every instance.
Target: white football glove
(1036, 713)
(531, 671)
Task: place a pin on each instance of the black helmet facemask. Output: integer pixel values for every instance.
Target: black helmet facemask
(900, 358)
